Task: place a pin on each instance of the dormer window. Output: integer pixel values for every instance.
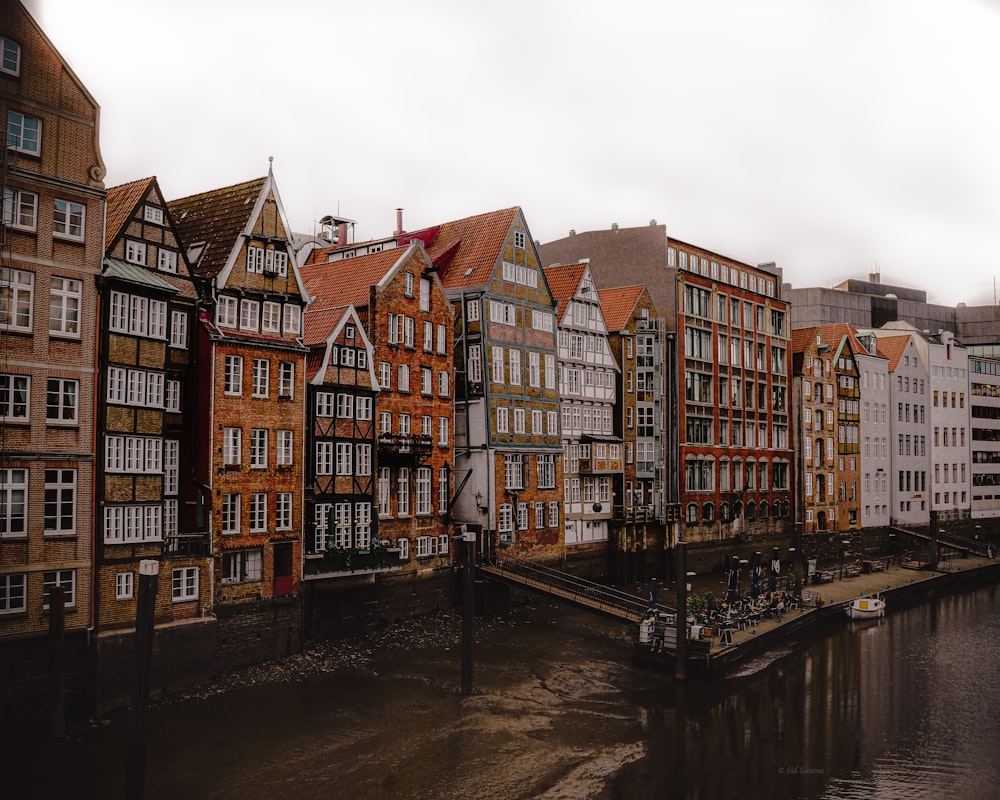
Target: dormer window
(10, 57)
(153, 214)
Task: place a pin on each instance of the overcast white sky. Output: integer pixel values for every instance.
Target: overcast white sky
(826, 135)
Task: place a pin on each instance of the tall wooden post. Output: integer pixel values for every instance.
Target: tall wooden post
(57, 662)
(144, 614)
(468, 608)
(681, 651)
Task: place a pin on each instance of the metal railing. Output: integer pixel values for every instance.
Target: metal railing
(944, 537)
(596, 596)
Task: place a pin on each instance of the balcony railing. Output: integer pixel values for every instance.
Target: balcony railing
(187, 545)
(634, 513)
(405, 447)
(345, 561)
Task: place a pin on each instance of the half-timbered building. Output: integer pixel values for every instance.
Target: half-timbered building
(588, 375)
(149, 507)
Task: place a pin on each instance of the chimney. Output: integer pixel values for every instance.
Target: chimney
(652, 223)
(399, 222)
(874, 277)
(572, 232)
(342, 234)
(614, 226)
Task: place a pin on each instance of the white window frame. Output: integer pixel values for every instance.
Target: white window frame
(15, 398)
(17, 296)
(261, 385)
(286, 443)
(24, 132)
(69, 220)
(179, 329)
(20, 209)
(135, 252)
(184, 584)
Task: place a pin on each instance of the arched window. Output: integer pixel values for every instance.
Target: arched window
(751, 511)
(784, 509)
(708, 512)
(724, 512)
(764, 509)
(692, 512)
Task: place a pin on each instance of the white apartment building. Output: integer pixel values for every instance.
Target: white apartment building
(984, 403)
(588, 372)
(909, 421)
(876, 464)
(951, 481)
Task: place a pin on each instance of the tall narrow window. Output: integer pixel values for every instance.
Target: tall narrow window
(64, 306)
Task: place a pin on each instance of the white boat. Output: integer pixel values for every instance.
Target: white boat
(870, 607)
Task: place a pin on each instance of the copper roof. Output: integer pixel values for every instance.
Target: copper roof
(618, 304)
(216, 218)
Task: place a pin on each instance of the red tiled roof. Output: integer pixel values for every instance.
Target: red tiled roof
(339, 283)
(892, 347)
(216, 218)
(122, 201)
(319, 324)
(802, 338)
(314, 361)
(617, 305)
(563, 282)
(467, 250)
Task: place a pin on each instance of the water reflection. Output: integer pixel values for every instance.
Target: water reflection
(907, 707)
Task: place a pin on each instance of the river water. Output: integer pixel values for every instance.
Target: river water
(908, 707)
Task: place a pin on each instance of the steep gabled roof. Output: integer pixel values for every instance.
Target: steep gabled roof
(563, 282)
(802, 339)
(215, 218)
(350, 280)
(837, 334)
(319, 324)
(466, 251)
(892, 347)
(122, 201)
(618, 304)
(323, 329)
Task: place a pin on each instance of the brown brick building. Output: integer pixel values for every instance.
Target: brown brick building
(729, 464)
(409, 321)
(251, 384)
(51, 245)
